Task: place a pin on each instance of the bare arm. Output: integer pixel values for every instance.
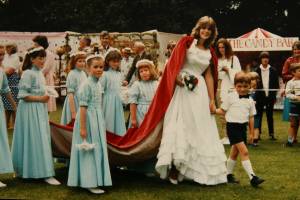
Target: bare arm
(72, 105)
(251, 128)
(83, 131)
(210, 89)
(133, 108)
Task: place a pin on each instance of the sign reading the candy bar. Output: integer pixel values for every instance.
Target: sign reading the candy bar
(263, 44)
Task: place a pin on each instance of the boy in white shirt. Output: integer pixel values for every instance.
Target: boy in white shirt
(239, 111)
(293, 94)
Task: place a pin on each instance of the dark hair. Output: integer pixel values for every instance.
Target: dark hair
(112, 55)
(242, 77)
(170, 46)
(73, 60)
(104, 34)
(296, 45)
(205, 22)
(264, 54)
(41, 40)
(294, 67)
(227, 46)
(87, 40)
(27, 64)
(13, 48)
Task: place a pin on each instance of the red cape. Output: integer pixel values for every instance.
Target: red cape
(162, 97)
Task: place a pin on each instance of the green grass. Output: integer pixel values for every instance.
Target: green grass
(274, 162)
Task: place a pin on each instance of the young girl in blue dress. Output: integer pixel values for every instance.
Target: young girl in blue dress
(112, 104)
(76, 77)
(142, 91)
(6, 165)
(89, 168)
(31, 148)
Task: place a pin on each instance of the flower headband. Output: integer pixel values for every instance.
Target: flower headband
(34, 50)
(144, 62)
(93, 56)
(77, 53)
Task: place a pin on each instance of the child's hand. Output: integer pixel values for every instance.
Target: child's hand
(124, 83)
(44, 99)
(133, 123)
(83, 133)
(178, 81)
(225, 69)
(212, 107)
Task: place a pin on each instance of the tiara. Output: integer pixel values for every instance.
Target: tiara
(34, 50)
(93, 56)
(77, 53)
(144, 61)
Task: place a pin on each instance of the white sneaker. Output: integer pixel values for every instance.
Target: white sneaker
(225, 140)
(52, 181)
(96, 190)
(2, 185)
(180, 177)
(173, 181)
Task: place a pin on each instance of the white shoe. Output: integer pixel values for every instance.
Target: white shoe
(2, 185)
(180, 177)
(225, 140)
(96, 190)
(52, 181)
(173, 181)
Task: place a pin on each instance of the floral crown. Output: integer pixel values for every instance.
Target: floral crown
(144, 62)
(93, 56)
(77, 53)
(35, 50)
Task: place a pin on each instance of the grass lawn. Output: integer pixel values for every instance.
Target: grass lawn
(274, 162)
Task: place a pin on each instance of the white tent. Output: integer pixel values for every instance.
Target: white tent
(262, 40)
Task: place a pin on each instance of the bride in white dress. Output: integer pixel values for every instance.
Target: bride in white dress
(190, 146)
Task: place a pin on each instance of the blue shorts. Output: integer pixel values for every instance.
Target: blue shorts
(294, 109)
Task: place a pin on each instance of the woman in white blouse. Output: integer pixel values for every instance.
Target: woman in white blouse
(228, 66)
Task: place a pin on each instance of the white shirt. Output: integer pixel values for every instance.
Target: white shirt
(265, 75)
(12, 61)
(228, 78)
(238, 110)
(293, 90)
(126, 63)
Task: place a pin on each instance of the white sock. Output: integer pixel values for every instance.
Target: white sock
(248, 168)
(230, 165)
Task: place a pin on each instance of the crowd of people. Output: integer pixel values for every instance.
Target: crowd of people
(96, 101)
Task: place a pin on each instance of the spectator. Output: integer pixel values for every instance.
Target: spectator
(85, 44)
(11, 65)
(139, 48)
(264, 96)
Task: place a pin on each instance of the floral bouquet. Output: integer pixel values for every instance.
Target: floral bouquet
(85, 146)
(190, 81)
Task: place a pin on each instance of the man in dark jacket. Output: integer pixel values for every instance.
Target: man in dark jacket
(139, 49)
(266, 96)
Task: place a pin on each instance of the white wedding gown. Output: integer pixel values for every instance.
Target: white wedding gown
(190, 137)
